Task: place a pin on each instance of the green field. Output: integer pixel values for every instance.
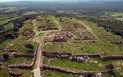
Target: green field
(114, 15)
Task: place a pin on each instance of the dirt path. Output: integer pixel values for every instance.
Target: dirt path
(38, 53)
(38, 59)
(37, 62)
(38, 56)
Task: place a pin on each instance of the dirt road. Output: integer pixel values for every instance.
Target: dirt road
(38, 53)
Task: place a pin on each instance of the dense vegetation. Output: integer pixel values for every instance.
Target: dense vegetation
(115, 27)
(9, 29)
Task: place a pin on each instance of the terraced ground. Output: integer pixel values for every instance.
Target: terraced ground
(85, 38)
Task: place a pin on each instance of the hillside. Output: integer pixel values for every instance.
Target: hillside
(60, 46)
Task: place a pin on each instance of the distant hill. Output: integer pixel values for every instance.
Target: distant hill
(88, 5)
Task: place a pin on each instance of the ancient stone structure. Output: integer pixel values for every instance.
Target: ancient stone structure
(23, 66)
(67, 70)
(77, 59)
(56, 54)
(28, 32)
(89, 55)
(48, 27)
(112, 57)
(23, 55)
(59, 38)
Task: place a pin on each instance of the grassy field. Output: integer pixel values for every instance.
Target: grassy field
(18, 44)
(101, 45)
(7, 20)
(30, 13)
(114, 15)
(9, 9)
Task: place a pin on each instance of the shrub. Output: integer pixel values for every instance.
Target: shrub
(30, 46)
